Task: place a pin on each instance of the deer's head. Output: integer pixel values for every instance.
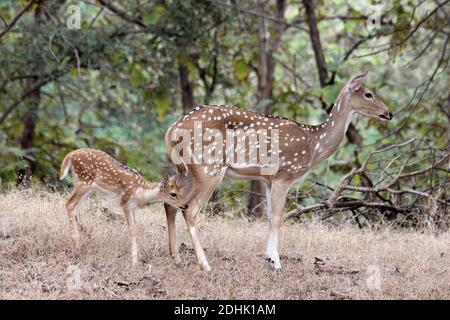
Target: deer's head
(364, 100)
(171, 192)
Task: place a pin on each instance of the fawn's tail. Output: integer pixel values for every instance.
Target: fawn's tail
(65, 166)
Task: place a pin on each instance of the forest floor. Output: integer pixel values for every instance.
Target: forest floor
(38, 261)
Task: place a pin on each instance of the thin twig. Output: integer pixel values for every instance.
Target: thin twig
(16, 18)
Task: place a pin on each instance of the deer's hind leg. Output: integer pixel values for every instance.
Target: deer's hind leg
(78, 195)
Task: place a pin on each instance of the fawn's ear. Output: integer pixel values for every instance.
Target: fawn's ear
(163, 183)
(356, 83)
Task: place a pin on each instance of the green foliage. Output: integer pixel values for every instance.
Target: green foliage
(114, 84)
(241, 69)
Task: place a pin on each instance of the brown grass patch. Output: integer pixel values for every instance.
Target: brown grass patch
(37, 260)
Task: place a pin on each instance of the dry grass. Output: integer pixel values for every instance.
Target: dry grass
(37, 258)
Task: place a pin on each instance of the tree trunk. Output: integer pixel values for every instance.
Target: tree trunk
(31, 116)
(352, 134)
(187, 91)
(446, 110)
(266, 73)
(29, 120)
(315, 41)
(187, 99)
(188, 102)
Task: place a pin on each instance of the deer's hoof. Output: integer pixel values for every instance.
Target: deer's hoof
(273, 265)
(79, 243)
(177, 260)
(206, 267)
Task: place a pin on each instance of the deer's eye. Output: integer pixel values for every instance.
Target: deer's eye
(173, 194)
(368, 95)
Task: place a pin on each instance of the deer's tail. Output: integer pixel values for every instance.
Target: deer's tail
(178, 160)
(65, 166)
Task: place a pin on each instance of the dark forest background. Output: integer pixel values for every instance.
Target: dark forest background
(132, 68)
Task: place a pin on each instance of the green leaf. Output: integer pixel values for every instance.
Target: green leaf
(152, 16)
(162, 106)
(263, 104)
(371, 135)
(331, 93)
(241, 69)
(357, 180)
(139, 77)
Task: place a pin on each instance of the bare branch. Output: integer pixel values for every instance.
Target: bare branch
(346, 205)
(333, 204)
(16, 18)
(410, 34)
(258, 14)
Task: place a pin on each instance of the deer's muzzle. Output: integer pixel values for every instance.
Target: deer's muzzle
(387, 115)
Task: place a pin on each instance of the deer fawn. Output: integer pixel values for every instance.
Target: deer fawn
(94, 170)
(299, 148)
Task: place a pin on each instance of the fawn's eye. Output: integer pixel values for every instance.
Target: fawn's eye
(368, 95)
(173, 194)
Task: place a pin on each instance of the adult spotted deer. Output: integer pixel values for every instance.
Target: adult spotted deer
(95, 170)
(298, 146)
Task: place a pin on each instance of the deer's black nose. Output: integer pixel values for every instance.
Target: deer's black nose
(387, 115)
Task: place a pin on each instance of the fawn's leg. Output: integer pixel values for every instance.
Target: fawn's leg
(132, 229)
(79, 194)
(171, 213)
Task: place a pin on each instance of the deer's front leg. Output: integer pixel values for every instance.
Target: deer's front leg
(276, 197)
(171, 213)
(203, 189)
(132, 229)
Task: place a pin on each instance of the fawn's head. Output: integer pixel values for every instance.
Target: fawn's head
(365, 101)
(171, 192)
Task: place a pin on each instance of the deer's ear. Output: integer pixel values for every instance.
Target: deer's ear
(163, 183)
(356, 83)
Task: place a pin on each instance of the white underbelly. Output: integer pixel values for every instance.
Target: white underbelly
(234, 174)
(107, 193)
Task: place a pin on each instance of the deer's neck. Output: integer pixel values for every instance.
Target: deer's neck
(329, 135)
(149, 193)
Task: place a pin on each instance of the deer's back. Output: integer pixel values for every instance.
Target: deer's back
(98, 169)
(293, 140)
